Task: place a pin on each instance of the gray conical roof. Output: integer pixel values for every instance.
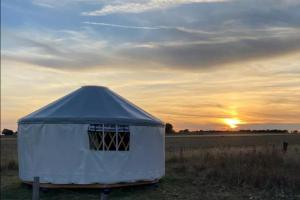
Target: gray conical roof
(91, 104)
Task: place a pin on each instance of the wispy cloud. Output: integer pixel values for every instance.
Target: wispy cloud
(75, 50)
(199, 55)
(134, 7)
(57, 49)
(60, 3)
(176, 28)
(126, 26)
(43, 4)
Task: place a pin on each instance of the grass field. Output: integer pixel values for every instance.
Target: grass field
(246, 167)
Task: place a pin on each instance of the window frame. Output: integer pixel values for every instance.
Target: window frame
(103, 130)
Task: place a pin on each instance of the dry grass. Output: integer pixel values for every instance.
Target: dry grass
(12, 165)
(9, 154)
(190, 143)
(222, 172)
(258, 167)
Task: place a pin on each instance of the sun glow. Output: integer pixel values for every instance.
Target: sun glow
(232, 122)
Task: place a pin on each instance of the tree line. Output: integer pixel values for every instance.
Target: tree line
(169, 129)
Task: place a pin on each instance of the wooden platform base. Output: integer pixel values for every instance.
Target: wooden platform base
(98, 186)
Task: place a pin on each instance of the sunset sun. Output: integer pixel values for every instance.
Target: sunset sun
(232, 122)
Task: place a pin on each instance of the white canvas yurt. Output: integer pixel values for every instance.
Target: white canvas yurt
(91, 136)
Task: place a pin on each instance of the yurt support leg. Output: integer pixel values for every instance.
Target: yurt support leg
(36, 188)
(104, 194)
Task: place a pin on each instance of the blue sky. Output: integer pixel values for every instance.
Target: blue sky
(233, 49)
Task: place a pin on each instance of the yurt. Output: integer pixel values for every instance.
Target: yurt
(91, 136)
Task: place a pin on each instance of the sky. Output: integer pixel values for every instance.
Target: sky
(197, 64)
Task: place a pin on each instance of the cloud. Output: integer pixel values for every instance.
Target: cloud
(57, 49)
(126, 26)
(175, 28)
(203, 54)
(73, 50)
(134, 7)
(196, 37)
(60, 3)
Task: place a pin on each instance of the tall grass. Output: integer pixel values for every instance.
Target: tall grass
(9, 165)
(258, 167)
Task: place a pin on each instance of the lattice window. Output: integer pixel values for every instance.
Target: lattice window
(110, 140)
(109, 137)
(123, 138)
(95, 132)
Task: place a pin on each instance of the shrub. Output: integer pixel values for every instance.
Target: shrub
(7, 132)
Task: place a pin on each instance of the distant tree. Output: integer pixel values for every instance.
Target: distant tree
(169, 128)
(185, 131)
(7, 132)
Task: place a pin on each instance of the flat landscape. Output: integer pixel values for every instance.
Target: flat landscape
(197, 167)
(90, 86)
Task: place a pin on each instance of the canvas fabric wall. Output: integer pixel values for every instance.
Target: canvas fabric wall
(60, 154)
